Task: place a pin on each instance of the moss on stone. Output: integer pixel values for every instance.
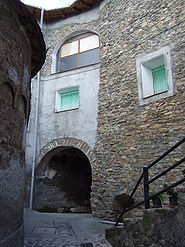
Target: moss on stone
(147, 222)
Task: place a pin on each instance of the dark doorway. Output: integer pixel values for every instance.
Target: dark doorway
(65, 184)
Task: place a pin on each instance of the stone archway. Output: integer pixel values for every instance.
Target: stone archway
(64, 177)
(66, 142)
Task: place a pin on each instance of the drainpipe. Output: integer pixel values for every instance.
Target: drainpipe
(36, 124)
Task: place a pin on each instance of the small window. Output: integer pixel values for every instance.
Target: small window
(82, 50)
(154, 76)
(67, 99)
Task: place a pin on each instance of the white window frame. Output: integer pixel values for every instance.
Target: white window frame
(58, 98)
(54, 64)
(77, 51)
(144, 65)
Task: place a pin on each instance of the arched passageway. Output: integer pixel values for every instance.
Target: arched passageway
(64, 184)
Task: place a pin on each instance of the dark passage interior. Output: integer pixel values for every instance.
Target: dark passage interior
(65, 184)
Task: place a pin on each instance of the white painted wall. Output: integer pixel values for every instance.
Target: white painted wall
(80, 123)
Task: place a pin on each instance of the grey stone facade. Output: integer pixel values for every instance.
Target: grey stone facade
(128, 135)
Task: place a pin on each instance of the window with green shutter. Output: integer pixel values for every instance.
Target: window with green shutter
(154, 74)
(159, 80)
(69, 100)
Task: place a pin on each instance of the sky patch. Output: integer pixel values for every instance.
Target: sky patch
(48, 4)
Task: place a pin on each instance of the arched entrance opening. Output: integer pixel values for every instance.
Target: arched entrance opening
(63, 182)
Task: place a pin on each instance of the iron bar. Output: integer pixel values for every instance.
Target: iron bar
(154, 195)
(146, 187)
(165, 171)
(147, 182)
(167, 152)
(167, 188)
(129, 200)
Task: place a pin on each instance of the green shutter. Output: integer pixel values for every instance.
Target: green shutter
(69, 100)
(159, 80)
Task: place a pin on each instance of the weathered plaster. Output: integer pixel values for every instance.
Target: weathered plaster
(80, 123)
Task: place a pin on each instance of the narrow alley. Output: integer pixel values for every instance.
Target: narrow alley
(62, 230)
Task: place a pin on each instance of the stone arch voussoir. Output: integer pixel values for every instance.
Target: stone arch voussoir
(67, 142)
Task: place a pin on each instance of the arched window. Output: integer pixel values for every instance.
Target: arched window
(79, 51)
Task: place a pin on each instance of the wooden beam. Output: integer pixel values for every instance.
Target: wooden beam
(86, 4)
(63, 15)
(76, 10)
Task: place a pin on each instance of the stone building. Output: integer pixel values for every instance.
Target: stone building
(111, 100)
(22, 53)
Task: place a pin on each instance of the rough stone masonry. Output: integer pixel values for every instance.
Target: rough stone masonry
(155, 228)
(16, 71)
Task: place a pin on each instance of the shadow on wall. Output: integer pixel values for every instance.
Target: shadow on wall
(64, 185)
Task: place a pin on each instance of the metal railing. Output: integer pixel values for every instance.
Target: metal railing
(145, 177)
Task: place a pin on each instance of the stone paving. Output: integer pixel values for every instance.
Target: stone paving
(63, 230)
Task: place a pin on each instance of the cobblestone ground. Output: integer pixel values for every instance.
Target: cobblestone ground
(62, 230)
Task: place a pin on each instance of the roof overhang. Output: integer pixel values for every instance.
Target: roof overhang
(76, 8)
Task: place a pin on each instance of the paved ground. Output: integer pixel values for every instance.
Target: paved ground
(62, 230)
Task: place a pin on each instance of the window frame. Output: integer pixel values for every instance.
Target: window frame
(145, 62)
(77, 37)
(58, 96)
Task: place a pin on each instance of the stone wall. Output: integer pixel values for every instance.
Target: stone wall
(15, 66)
(130, 135)
(155, 228)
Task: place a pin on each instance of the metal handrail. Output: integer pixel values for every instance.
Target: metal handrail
(167, 152)
(166, 170)
(129, 200)
(145, 176)
(153, 196)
